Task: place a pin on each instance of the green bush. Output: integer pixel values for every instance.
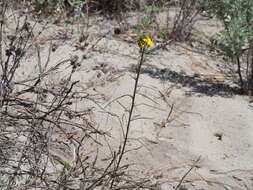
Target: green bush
(236, 40)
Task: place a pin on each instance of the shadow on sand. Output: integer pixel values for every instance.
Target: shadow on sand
(197, 85)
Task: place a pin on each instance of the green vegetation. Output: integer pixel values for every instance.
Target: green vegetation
(163, 34)
(236, 40)
(144, 23)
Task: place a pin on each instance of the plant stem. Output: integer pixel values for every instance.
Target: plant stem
(130, 112)
(239, 72)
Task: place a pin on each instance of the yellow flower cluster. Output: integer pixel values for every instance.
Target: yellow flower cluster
(145, 42)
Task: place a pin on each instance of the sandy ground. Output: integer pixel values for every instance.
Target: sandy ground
(208, 120)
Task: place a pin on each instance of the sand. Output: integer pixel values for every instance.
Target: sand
(209, 120)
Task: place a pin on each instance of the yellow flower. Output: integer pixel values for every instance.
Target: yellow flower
(145, 42)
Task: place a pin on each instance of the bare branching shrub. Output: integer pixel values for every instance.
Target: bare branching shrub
(185, 19)
(42, 136)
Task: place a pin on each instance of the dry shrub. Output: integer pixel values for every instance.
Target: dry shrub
(158, 3)
(110, 6)
(42, 135)
(185, 19)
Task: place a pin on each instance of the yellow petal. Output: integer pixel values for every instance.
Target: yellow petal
(145, 42)
(149, 42)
